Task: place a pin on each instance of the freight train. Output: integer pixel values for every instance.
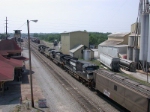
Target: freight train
(130, 94)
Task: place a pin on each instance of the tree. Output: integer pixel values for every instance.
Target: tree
(97, 38)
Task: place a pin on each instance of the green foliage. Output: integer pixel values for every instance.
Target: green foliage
(2, 36)
(97, 38)
(48, 37)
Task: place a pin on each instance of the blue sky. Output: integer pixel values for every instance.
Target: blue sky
(68, 15)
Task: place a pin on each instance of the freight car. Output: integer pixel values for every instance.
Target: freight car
(110, 62)
(128, 65)
(132, 95)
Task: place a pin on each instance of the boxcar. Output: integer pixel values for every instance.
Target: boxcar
(128, 93)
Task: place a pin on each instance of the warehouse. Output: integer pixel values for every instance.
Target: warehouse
(113, 40)
(114, 51)
(71, 40)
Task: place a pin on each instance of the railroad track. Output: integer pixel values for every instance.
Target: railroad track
(88, 105)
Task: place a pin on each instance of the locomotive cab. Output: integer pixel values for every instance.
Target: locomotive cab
(88, 70)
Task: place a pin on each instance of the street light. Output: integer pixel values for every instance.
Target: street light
(32, 100)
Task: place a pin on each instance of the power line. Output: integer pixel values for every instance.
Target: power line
(21, 25)
(6, 27)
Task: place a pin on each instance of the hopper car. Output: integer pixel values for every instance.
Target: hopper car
(110, 62)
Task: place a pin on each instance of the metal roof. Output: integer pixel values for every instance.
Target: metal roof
(118, 34)
(4, 53)
(76, 48)
(9, 46)
(15, 63)
(65, 32)
(110, 43)
(6, 71)
(120, 46)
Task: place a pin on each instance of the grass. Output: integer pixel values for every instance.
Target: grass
(135, 79)
(94, 61)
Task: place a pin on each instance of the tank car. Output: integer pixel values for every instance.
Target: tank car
(128, 65)
(110, 62)
(126, 92)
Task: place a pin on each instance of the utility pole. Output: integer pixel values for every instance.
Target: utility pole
(6, 27)
(30, 69)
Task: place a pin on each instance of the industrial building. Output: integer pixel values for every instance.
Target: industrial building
(115, 51)
(71, 40)
(81, 52)
(116, 41)
(77, 51)
(134, 28)
(17, 34)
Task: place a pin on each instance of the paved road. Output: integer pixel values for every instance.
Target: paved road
(58, 98)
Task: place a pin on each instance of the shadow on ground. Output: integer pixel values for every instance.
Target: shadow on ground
(12, 90)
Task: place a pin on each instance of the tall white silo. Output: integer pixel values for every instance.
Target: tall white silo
(135, 54)
(131, 40)
(148, 52)
(130, 47)
(130, 53)
(144, 37)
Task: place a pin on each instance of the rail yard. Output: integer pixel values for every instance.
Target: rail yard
(77, 70)
(102, 85)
